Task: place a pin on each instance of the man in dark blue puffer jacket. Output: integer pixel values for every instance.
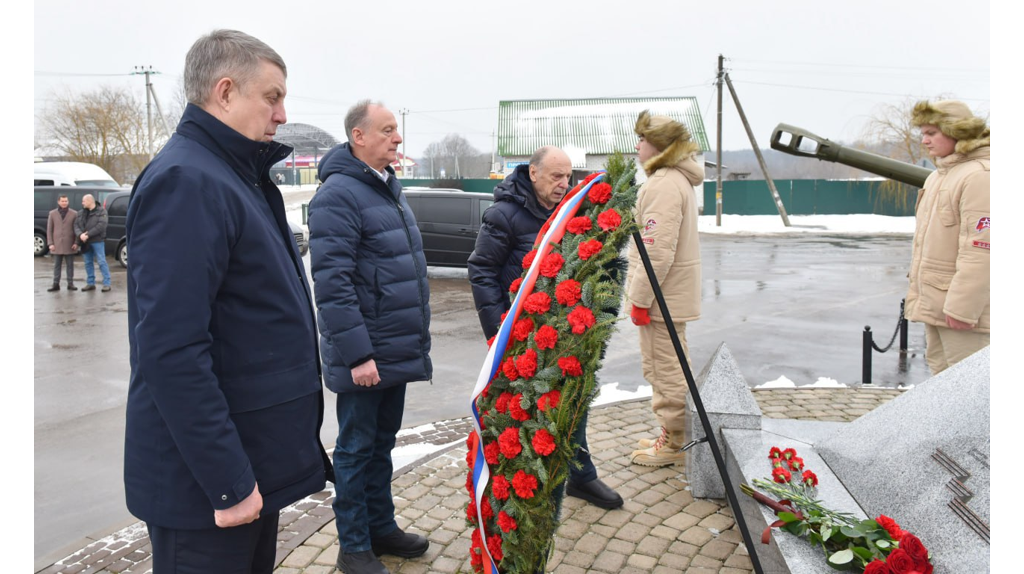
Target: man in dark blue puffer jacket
(522, 203)
(370, 282)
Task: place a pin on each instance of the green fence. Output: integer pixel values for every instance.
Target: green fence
(813, 197)
(751, 197)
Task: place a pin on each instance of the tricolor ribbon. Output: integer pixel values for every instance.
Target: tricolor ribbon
(492, 362)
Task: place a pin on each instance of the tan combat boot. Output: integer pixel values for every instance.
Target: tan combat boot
(649, 442)
(664, 452)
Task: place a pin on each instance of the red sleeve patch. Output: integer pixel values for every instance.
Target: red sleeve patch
(982, 244)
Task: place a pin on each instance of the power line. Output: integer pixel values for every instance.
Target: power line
(42, 73)
(835, 65)
(847, 91)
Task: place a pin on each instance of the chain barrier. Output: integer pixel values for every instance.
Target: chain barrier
(899, 323)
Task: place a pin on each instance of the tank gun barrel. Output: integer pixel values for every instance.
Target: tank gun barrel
(800, 142)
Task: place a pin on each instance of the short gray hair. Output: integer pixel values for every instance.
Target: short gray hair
(225, 53)
(358, 115)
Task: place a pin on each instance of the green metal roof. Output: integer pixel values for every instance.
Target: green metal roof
(596, 125)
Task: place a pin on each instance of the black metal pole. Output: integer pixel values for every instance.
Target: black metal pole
(866, 356)
(730, 491)
(904, 327)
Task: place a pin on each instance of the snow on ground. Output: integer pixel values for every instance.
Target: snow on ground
(610, 393)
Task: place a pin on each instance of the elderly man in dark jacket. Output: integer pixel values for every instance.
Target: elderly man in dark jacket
(225, 401)
(522, 203)
(91, 229)
(370, 280)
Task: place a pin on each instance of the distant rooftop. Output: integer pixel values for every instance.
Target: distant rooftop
(305, 138)
(596, 125)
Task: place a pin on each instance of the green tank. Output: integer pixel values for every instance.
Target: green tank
(800, 142)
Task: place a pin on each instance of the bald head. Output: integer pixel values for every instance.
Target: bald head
(88, 201)
(550, 171)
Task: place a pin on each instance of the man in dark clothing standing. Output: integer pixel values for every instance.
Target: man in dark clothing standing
(522, 203)
(60, 237)
(372, 296)
(225, 401)
(91, 229)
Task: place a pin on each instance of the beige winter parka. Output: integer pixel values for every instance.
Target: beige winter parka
(666, 211)
(949, 270)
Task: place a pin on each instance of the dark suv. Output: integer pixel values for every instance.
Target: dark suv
(449, 220)
(116, 243)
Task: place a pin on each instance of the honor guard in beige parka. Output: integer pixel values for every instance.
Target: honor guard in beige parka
(949, 270)
(666, 211)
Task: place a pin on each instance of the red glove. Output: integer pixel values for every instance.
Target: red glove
(640, 316)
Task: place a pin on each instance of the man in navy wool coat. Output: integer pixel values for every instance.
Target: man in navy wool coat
(372, 298)
(225, 401)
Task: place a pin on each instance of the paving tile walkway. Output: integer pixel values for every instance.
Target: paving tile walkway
(659, 529)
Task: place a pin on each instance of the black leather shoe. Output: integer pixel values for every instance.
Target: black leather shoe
(89, 287)
(596, 493)
(54, 287)
(360, 563)
(398, 543)
(71, 287)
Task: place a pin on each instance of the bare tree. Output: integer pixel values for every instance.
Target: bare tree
(454, 155)
(106, 127)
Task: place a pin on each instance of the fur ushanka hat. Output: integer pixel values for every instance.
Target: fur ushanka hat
(954, 119)
(670, 137)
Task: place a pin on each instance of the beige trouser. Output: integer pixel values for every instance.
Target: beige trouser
(662, 370)
(946, 347)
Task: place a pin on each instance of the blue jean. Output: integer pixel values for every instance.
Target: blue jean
(367, 424)
(97, 251)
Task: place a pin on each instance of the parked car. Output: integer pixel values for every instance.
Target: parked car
(46, 200)
(72, 173)
(115, 201)
(449, 221)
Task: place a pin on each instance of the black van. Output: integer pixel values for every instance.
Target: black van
(449, 221)
(46, 201)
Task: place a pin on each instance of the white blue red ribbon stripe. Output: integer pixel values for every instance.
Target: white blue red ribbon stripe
(492, 362)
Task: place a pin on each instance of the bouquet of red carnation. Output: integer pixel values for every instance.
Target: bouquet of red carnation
(876, 546)
(539, 378)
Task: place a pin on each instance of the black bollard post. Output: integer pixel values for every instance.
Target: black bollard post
(904, 327)
(866, 356)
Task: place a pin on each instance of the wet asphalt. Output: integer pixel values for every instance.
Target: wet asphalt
(792, 306)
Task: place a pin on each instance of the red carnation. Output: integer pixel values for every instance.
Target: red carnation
(568, 292)
(514, 287)
(774, 453)
(515, 409)
(526, 364)
(543, 443)
(499, 487)
(809, 478)
(876, 567)
(788, 453)
(469, 484)
(570, 366)
(470, 457)
(494, 547)
(476, 555)
(781, 475)
(549, 400)
(501, 405)
(890, 526)
(916, 550)
(796, 463)
(482, 415)
(546, 337)
(509, 368)
(506, 522)
(536, 303)
(490, 341)
(508, 441)
(900, 562)
(609, 219)
(600, 193)
(581, 319)
(491, 451)
(579, 225)
(471, 511)
(590, 248)
(590, 178)
(528, 259)
(551, 264)
(524, 484)
(486, 510)
(521, 330)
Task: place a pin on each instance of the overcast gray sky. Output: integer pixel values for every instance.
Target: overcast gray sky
(824, 66)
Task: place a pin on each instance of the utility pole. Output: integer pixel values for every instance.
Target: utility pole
(405, 158)
(757, 152)
(718, 157)
(147, 70)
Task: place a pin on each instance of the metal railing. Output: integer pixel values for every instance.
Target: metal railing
(869, 344)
